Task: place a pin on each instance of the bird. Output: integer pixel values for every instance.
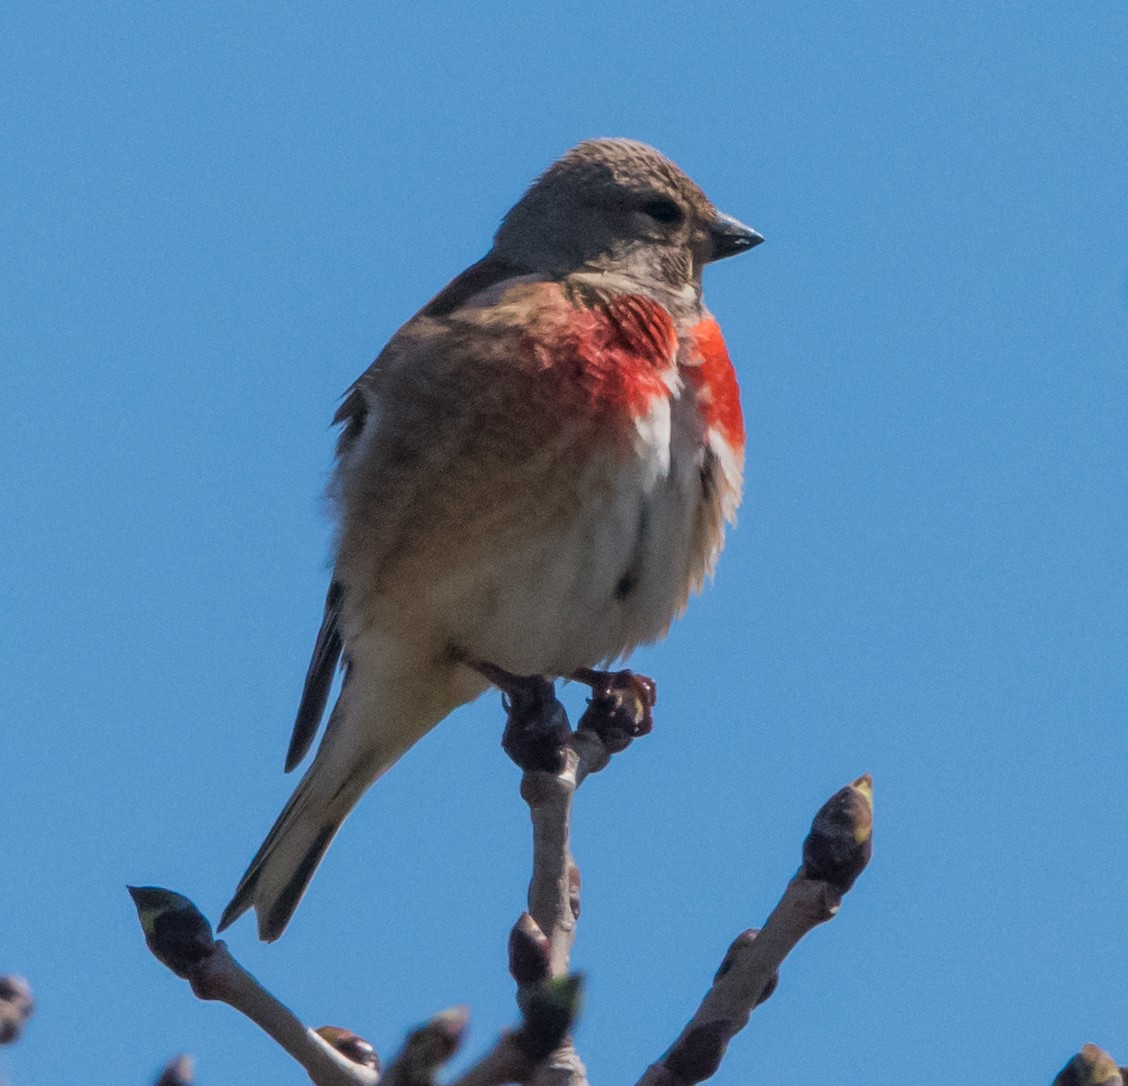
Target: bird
(531, 479)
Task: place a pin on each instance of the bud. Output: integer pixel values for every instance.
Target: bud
(528, 952)
(550, 1009)
(841, 839)
(429, 1047)
(178, 934)
(744, 939)
(16, 1006)
(177, 1072)
(574, 884)
(621, 707)
(1091, 1066)
(351, 1046)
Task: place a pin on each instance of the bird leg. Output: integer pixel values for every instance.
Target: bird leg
(621, 706)
(536, 728)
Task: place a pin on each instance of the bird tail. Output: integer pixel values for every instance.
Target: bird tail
(340, 774)
(280, 872)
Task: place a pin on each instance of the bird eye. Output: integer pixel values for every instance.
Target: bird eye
(664, 211)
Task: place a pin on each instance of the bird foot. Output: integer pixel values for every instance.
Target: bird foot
(536, 728)
(621, 706)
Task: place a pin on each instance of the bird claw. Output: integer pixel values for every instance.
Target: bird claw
(536, 726)
(621, 706)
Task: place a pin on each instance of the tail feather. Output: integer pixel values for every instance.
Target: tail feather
(362, 739)
(278, 876)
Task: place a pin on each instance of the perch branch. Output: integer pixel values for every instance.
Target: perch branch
(556, 760)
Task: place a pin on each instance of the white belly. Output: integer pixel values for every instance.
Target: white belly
(589, 587)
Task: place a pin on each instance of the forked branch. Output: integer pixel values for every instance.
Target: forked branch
(539, 1051)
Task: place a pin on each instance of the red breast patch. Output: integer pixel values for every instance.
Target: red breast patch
(613, 354)
(714, 380)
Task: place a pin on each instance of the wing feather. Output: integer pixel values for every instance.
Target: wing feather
(319, 678)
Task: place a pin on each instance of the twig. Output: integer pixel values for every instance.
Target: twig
(834, 854)
(540, 1052)
(180, 937)
(556, 760)
(554, 887)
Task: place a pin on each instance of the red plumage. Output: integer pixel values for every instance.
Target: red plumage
(712, 375)
(610, 357)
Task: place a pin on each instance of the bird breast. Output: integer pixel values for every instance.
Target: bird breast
(588, 471)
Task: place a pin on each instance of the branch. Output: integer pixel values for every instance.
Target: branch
(556, 760)
(539, 1052)
(834, 854)
(180, 937)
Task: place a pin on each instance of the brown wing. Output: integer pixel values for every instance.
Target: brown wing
(352, 415)
(486, 273)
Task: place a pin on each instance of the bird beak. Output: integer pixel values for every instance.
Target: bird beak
(731, 237)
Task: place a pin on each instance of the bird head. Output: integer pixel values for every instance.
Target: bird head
(623, 211)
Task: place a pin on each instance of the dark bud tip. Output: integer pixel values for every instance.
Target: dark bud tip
(16, 1007)
(177, 1072)
(537, 728)
(697, 1055)
(841, 839)
(550, 1009)
(450, 1026)
(351, 1046)
(1092, 1066)
(177, 933)
(433, 1043)
(528, 952)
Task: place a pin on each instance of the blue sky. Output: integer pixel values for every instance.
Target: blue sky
(213, 217)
